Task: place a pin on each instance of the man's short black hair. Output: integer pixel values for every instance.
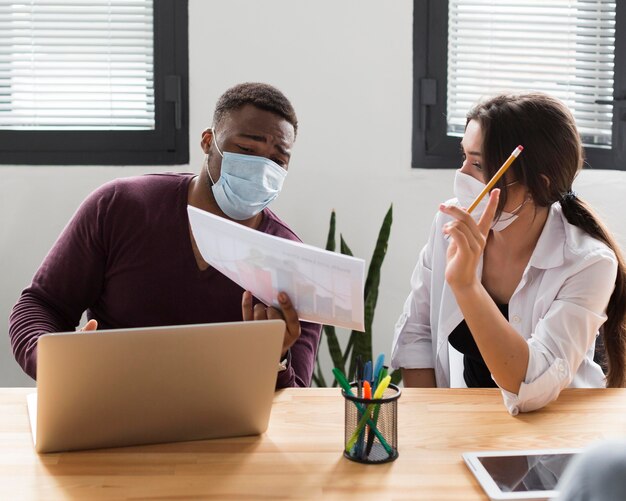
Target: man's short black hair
(263, 96)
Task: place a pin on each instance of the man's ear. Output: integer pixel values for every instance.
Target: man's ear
(207, 139)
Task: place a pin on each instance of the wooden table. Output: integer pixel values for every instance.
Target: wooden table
(300, 455)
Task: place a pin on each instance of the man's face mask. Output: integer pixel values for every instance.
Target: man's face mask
(467, 188)
(247, 184)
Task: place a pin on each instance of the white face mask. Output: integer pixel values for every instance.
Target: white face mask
(467, 188)
(247, 184)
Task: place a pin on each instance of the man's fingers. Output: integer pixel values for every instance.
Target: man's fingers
(246, 306)
(274, 314)
(289, 312)
(92, 325)
(486, 220)
(290, 315)
(260, 311)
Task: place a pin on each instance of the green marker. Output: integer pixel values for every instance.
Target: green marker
(366, 417)
(343, 382)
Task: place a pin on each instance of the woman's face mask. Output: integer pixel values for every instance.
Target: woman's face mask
(467, 188)
(247, 184)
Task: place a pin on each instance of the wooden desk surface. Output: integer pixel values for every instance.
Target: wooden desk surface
(300, 455)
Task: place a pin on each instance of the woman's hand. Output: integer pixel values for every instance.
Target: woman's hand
(287, 313)
(468, 240)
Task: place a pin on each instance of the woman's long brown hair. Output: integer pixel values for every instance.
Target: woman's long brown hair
(553, 156)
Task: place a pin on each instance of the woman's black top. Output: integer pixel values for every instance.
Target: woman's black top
(475, 371)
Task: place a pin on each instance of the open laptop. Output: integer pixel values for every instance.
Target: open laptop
(123, 387)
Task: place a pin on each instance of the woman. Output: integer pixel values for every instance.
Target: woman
(516, 299)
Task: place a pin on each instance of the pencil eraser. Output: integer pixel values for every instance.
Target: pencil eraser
(520, 147)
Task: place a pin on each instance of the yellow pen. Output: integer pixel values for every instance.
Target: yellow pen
(361, 424)
(343, 382)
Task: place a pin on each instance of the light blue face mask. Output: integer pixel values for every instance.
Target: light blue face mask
(247, 184)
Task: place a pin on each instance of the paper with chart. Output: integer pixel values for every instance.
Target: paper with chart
(324, 286)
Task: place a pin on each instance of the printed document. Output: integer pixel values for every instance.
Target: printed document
(325, 287)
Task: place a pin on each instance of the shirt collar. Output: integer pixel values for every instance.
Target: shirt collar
(550, 249)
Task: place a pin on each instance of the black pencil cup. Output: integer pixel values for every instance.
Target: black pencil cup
(371, 427)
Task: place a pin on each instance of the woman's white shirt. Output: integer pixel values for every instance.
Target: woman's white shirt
(558, 307)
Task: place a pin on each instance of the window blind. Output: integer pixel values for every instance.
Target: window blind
(76, 65)
(562, 47)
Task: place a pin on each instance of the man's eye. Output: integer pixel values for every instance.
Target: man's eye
(279, 161)
(243, 148)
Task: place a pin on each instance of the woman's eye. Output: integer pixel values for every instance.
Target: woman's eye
(477, 165)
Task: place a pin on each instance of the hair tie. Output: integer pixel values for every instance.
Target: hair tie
(569, 196)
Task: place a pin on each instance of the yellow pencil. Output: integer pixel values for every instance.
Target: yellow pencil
(495, 178)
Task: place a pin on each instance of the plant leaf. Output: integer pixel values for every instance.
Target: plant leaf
(348, 350)
(334, 348)
(359, 343)
(331, 338)
(344, 246)
(318, 376)
(373, 272)
(330, 241)
(363, 341)
(396, 376)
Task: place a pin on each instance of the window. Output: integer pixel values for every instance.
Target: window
(466, 49)
(93, 82)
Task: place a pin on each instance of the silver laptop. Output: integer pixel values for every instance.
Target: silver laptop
(123, 387)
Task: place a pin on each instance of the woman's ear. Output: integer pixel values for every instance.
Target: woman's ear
(546, 180)
(207, 139)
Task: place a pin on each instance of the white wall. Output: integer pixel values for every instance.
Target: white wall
(346, 66)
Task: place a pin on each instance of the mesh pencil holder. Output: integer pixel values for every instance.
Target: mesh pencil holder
(371, 427)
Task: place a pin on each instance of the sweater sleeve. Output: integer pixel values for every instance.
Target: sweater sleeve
(301, 358)
(68, 281)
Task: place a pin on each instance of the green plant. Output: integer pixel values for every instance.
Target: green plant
(359, 343)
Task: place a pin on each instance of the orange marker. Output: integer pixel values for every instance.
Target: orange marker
(367, 390)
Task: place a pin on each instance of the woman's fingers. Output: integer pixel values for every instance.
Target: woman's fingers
(486, 220)
(464, 222)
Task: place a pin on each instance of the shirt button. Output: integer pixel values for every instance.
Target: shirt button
(561, 368)
(516, 319)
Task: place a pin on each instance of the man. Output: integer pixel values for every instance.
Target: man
(129, 259)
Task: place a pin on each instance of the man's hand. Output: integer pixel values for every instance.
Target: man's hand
(92, 325)
(287, 313)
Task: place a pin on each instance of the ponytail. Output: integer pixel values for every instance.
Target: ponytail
(553, 156)
(578, 213)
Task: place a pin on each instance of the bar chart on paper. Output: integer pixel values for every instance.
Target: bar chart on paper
(324, 286)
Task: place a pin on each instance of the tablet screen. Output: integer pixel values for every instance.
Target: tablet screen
(526, 472)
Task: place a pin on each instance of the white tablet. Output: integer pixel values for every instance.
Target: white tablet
(519, 475)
